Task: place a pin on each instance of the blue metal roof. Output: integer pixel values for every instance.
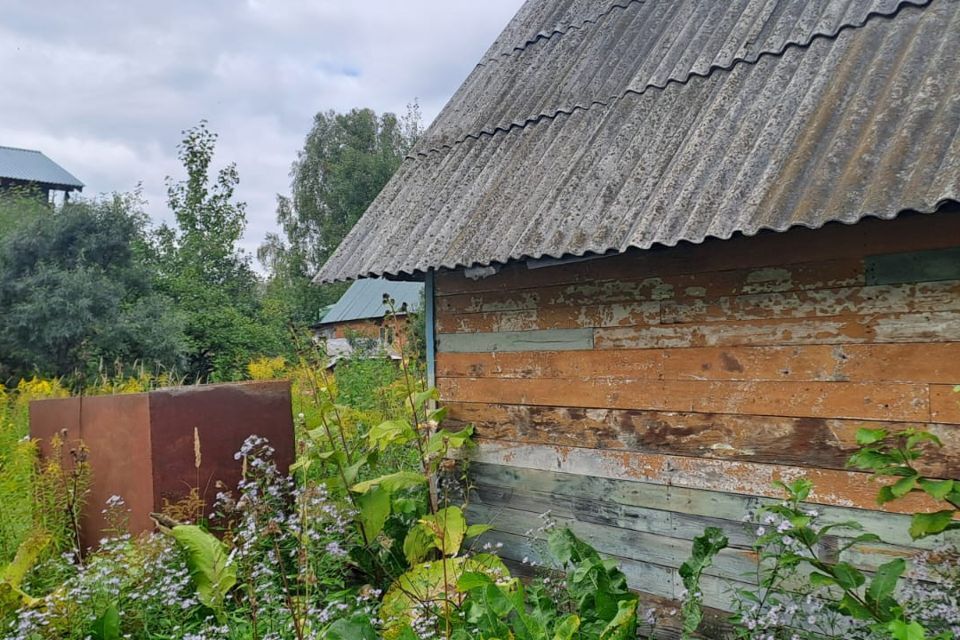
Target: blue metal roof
(32, 166)
(364, 299)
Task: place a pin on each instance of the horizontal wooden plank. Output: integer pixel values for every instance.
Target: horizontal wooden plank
(766, 249)
(831, 487)
(520, 512)
(891, 362)
(870, 401)
(880, 328)
(945, 407)
(600, 510)
(547, 340)
(915, 266)
(653, 548)
(602, 315)
(680, 501)
(645, 577)
(629, 287)
(844, 301)
(803, 442)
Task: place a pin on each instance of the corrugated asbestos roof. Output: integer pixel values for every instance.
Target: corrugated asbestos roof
(364, 299)
(610, 125)
(33, 166)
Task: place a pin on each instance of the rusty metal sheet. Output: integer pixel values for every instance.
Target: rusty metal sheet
(837, 126)
(141, 446)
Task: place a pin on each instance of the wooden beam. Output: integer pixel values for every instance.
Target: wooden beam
(937, 362)
(803, 442)
(892, 401)
(838, 488)
(546, 340)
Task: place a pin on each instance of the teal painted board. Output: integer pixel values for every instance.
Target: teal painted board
(542, 340)
(892, 528)
(916, 266)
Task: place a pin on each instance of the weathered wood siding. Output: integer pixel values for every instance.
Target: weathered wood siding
(645, 396)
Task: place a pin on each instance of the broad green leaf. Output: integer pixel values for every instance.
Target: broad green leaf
(448, 527)
(417, 543)
(854, 609)
(107, 626)
(567, 627)
(624, 624)
(917, 437)
(432, 586)
(885, 581)
(444, 440)
(928, 524)
(351, 472)
(420, 399)
(438, 415)
(374, 509)
(901, 630)
(355, 628)
(821, 580)
(475, 530)
(390, 432)
(904, 486)
(393, 482)
(212, 573)
(870, 436)
(26, 556)
(847, 576)
(937, 489)
(471, 580)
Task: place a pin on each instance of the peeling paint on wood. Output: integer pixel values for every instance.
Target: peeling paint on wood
(601, 315)
(804, 442)
(838, 488)
(543, 340)
(881, 328)
(861, 301)
(915, 362)
(893, 401)
(685, 501)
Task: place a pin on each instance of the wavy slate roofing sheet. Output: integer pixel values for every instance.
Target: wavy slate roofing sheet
(660, 122)
(33, 166)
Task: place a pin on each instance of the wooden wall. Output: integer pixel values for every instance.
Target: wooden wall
(645, 396)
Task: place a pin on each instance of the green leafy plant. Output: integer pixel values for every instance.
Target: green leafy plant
(594, 604)
(894, 455)
(211, 570)
(705, 548)
(12, 576)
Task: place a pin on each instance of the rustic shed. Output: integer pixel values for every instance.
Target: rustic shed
(27, 168)
(675, 251)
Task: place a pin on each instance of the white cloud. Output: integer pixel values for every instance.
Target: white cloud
(106, 87)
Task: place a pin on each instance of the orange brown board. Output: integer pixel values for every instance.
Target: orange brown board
(718, 367)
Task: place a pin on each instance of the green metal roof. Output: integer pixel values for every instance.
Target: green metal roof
(28, 165)
(364, 299)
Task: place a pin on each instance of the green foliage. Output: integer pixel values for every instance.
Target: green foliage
(201, 269)
(705, 549)
(894, 455)
(107, 626)
(75, 291)
(12, 576)
(206, 557)
(346, 160)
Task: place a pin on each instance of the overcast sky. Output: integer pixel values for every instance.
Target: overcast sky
(105, 87)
